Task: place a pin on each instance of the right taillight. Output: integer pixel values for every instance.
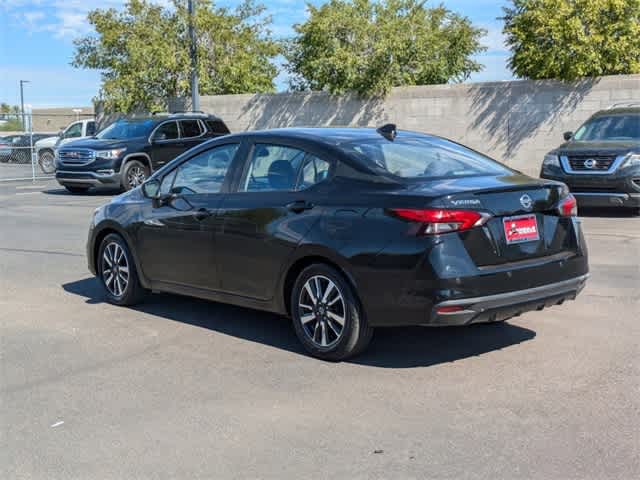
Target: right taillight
(568, 206)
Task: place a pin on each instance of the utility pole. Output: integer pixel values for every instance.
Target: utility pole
(195, 97)
(22, 82)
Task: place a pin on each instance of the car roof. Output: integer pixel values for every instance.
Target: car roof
(170, 116)
(619, 110)
(334, 136)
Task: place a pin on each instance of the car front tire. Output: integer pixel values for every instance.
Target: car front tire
(327, 315)
(117, 272)
(46, 160)
(134, 174)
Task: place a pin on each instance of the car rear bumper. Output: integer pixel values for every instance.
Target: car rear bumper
(607, 199)
(70, 178)
(492, 308)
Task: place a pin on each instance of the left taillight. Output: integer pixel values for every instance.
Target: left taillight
(437, 221)
(568, 206)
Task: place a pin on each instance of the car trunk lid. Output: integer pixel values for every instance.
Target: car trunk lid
(524, 224)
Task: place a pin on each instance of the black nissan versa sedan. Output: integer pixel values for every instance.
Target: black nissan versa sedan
(344, 230)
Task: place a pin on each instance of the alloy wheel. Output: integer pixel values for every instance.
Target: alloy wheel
(136, 176)
(47, 162)
(322, 312)
(115, 269)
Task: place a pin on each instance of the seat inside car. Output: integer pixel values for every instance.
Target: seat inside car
(281, 175)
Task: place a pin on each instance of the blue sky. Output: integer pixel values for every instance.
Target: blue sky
(36, 44)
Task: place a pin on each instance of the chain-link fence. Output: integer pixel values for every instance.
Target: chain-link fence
(28, 142)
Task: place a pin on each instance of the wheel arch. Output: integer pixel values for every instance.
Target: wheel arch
(100, 234)
(142, 157)
(303, 261)
(44, 150)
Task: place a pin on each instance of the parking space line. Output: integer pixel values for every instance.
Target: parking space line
(28, 193)
(28, 187)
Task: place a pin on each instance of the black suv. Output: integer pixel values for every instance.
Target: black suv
(601, 162)
(126, 152)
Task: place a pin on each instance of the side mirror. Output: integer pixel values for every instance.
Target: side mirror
(61, 132)
(567, 135)
(151, 189)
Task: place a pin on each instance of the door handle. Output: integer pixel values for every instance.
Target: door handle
(300, 206)
(202, 213)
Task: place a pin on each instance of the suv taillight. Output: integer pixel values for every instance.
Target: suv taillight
(568, 206)
(442, 220)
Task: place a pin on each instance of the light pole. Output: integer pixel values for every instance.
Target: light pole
(22, 82)
(195, 100)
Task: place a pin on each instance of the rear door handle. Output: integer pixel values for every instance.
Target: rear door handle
(202, 213)
(299, 206)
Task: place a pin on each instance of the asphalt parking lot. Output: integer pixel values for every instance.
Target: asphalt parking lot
(182, 388)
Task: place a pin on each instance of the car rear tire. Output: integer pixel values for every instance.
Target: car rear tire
(327, 315)
(46, 161)
(117, 272)
(134, 174)
(76, 190)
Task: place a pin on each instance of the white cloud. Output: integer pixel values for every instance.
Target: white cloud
(64, 19)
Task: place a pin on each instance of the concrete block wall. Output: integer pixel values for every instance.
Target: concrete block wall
(516, 122)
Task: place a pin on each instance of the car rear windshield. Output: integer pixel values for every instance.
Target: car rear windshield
(610, 128)
(123, 129)
(420, 157)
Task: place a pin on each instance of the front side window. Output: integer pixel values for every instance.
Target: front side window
(204, 173)
(422, 157)
(190, 128)
(167, 131)
(73, 131)
(273, 168)
(610, 128)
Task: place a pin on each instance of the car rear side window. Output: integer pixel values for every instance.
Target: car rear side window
(204, 173)
(217, 127)
(422, 157)
(91, 129)
(273, 168)
(314, 171)
(190, 128)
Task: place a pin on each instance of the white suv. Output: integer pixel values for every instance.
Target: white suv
(45, 148)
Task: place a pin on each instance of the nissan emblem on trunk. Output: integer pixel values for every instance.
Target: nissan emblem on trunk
(526, 202)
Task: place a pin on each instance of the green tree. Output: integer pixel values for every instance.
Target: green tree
(569, 39)
(369, 46)
(143, 52)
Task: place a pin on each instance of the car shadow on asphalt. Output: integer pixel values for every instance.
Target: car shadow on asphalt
(404, 347)
(94, 192)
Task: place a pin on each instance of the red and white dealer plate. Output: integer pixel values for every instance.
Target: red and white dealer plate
(523, 228)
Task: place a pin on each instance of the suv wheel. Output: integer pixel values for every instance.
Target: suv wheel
(76, 190)
(117, 272)
(327, 316)
(134, 175)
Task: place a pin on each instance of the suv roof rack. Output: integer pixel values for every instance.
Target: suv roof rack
(196, 113)
(624, 105)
